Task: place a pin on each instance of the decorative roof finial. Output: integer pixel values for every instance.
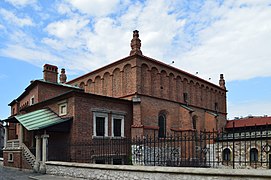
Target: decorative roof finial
(222, 82)
(62, 77)
(135, 44)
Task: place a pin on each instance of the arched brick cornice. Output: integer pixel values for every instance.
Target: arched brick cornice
(105, 73)
(82, 85)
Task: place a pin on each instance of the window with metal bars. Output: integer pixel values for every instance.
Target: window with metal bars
(162, 126)
(253, 155)
(226, 154)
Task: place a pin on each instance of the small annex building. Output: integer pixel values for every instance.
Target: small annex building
(246, 143)
(135, 96)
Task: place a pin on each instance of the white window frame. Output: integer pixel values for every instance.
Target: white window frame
(10, 157)
(122, 124)
(60, 107)
(104, 115)
(31, 103)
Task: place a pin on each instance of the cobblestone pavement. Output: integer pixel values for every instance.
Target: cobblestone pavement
(14, 174)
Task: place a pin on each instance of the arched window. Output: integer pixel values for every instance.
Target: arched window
(162, 125)
(253, 155)
(226, 154)
(194, 122)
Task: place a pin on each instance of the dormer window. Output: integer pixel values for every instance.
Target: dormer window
(32, 100)
(63, 108)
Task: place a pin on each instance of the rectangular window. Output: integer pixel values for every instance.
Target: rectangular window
(100, 124)
(32, 100)
(117, 126)
(10, 157)
(62, 109)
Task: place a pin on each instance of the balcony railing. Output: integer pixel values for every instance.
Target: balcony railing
(13, 144)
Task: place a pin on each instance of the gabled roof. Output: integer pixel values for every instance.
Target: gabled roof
(35, 82)
(249, 122)
(38, 119)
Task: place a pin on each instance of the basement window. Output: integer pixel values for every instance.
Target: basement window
(10, 157)
(117, 161)
(100, 161)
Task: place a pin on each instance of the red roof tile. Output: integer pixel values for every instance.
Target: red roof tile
(248, 122)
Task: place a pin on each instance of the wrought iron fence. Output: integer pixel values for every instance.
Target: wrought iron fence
(243, 148)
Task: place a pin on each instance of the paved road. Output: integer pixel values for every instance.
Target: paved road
(14, 174)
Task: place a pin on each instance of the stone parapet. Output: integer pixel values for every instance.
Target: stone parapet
(96, 171)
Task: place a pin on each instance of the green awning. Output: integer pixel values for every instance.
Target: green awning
(40, 119)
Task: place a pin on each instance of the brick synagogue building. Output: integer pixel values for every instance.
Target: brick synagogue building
(136, 96)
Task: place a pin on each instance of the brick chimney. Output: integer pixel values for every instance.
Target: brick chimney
(50, 73)
(135, 44)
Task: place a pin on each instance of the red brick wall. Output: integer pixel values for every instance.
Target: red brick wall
(177, 117)
(82, 127)
(145, 76)
(161, 81)
(25, 101)
(18, 161)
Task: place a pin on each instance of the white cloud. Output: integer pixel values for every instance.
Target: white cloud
(2, 27)
(21, 2)
(237, 44)
(66, 28)
(54, 43)
(95, 7)
(33, 56)
(220, 38)
(12, 18)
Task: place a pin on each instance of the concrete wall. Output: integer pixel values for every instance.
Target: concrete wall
(95, 171)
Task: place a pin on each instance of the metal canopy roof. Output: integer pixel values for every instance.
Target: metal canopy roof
(40, 119)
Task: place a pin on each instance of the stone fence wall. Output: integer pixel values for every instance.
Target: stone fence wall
(97, 171)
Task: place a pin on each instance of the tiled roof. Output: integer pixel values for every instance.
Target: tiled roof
(249, 121)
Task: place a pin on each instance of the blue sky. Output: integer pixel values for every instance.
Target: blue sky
(209, 37)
